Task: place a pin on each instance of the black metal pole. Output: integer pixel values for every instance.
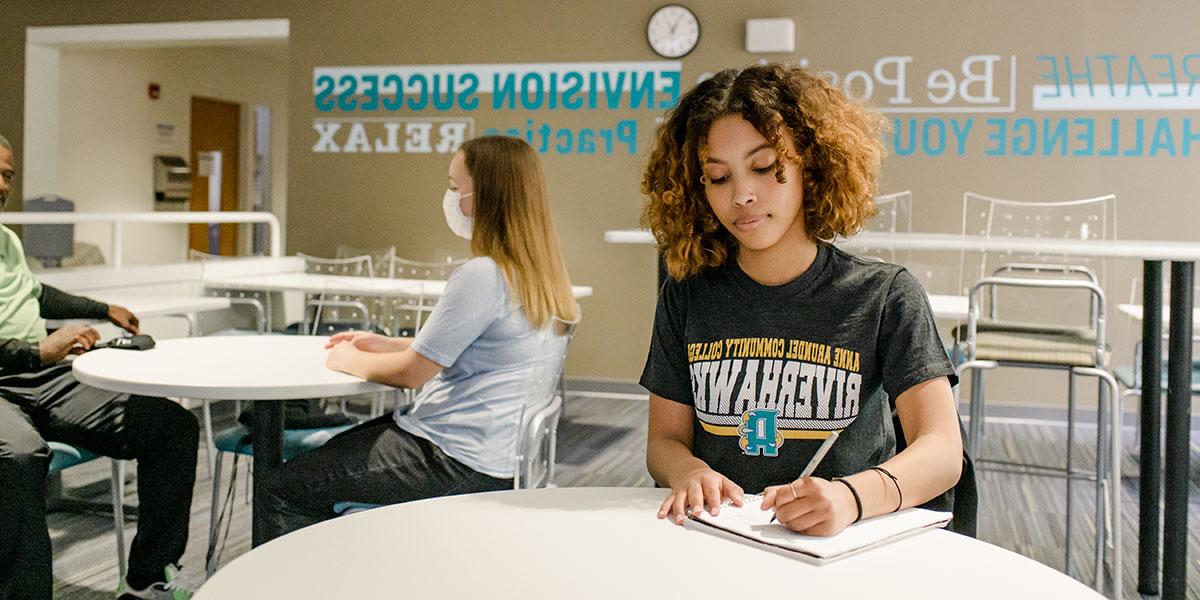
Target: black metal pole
(1150, 481)
(267, 436)
(1179, 416)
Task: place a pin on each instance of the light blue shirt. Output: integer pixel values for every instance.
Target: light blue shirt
(488, 349)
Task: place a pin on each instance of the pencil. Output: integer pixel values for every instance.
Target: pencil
(815, 461)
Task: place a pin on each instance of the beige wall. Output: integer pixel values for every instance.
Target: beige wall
(108, 131)
(380, 199)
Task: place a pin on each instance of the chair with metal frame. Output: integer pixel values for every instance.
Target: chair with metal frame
(1130, 376)
(258, 301)
(893, 214)
(325, 313)
(537, 428)
(381, 258)
(64, 456)
(537, 437)
(236, 440)
(407, 314)
(1025, 342)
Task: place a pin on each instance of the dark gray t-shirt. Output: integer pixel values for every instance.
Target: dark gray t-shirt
(771, 370)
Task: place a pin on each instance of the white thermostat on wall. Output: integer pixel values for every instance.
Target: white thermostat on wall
(770, 35)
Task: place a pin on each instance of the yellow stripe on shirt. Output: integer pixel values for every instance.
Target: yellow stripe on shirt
(788, 434)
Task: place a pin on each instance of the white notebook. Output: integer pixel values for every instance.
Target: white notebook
(749, 523)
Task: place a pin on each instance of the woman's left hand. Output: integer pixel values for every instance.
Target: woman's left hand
(338, 358)
(811, 505)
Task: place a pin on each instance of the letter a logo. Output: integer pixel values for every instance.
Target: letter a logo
(760, 432)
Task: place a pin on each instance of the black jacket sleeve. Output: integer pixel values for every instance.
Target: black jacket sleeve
(57, 304)
(17, 356)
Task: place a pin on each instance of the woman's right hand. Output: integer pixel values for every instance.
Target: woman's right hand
(365, 341)
(697, 490)
(72, 339)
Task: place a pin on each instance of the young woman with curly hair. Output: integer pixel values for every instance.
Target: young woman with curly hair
(767, 337)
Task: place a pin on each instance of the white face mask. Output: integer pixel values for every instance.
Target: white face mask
(459, 223)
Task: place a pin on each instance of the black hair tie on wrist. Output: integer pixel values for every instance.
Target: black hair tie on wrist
(857, 500)
(895, 482)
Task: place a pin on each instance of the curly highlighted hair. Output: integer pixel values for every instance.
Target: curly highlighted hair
(839, 145)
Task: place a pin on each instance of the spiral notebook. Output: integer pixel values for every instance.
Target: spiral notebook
(750, 524)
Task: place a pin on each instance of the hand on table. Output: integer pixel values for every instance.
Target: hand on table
(363, 340)
(121, 317)
(811, 505)
(72, 339)
(339, 356)
(699, 490)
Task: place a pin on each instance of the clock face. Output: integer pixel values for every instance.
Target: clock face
(673, 31)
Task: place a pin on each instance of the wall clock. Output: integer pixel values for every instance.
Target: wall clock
(673, 31)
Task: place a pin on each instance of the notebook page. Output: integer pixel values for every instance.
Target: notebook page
(751, 522)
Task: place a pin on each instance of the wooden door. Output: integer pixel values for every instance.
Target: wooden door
(215, 126)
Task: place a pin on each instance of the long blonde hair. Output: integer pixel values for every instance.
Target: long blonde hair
(513, 226)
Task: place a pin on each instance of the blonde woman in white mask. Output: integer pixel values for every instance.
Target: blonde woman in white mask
(471, 359)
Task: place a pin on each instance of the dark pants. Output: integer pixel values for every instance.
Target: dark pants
(50, 405)
(376, 462)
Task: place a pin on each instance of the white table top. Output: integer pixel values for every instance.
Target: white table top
(312, 283)
(1135, 311)
(1134, 249)
(949, 307)
(144, 305)
(94, 279)
(600, 543)
(272, 367)
(871, 240)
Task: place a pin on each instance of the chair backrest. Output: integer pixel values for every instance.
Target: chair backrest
(1083, 219)
(260, 302)
(534, 456)
(381, 258)
(893, 214)
(354, 266)
(338, 312)
(409, 312)
(403, 268)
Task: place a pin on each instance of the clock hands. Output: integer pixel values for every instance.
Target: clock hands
(675, 23)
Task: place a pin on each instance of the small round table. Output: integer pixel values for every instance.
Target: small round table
(601, 543)
(268, 367)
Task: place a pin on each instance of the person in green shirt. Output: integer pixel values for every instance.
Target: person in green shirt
(41, 401)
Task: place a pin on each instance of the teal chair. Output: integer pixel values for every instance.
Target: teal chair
(236, 440)
(1130, 377)
(64, 456)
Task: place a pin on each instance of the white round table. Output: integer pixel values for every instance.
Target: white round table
(268, 367)
(601, 543)
(253, 367)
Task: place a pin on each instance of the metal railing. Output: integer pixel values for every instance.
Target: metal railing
(118, 220)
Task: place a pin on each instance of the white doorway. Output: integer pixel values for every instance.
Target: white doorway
(61, 82)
